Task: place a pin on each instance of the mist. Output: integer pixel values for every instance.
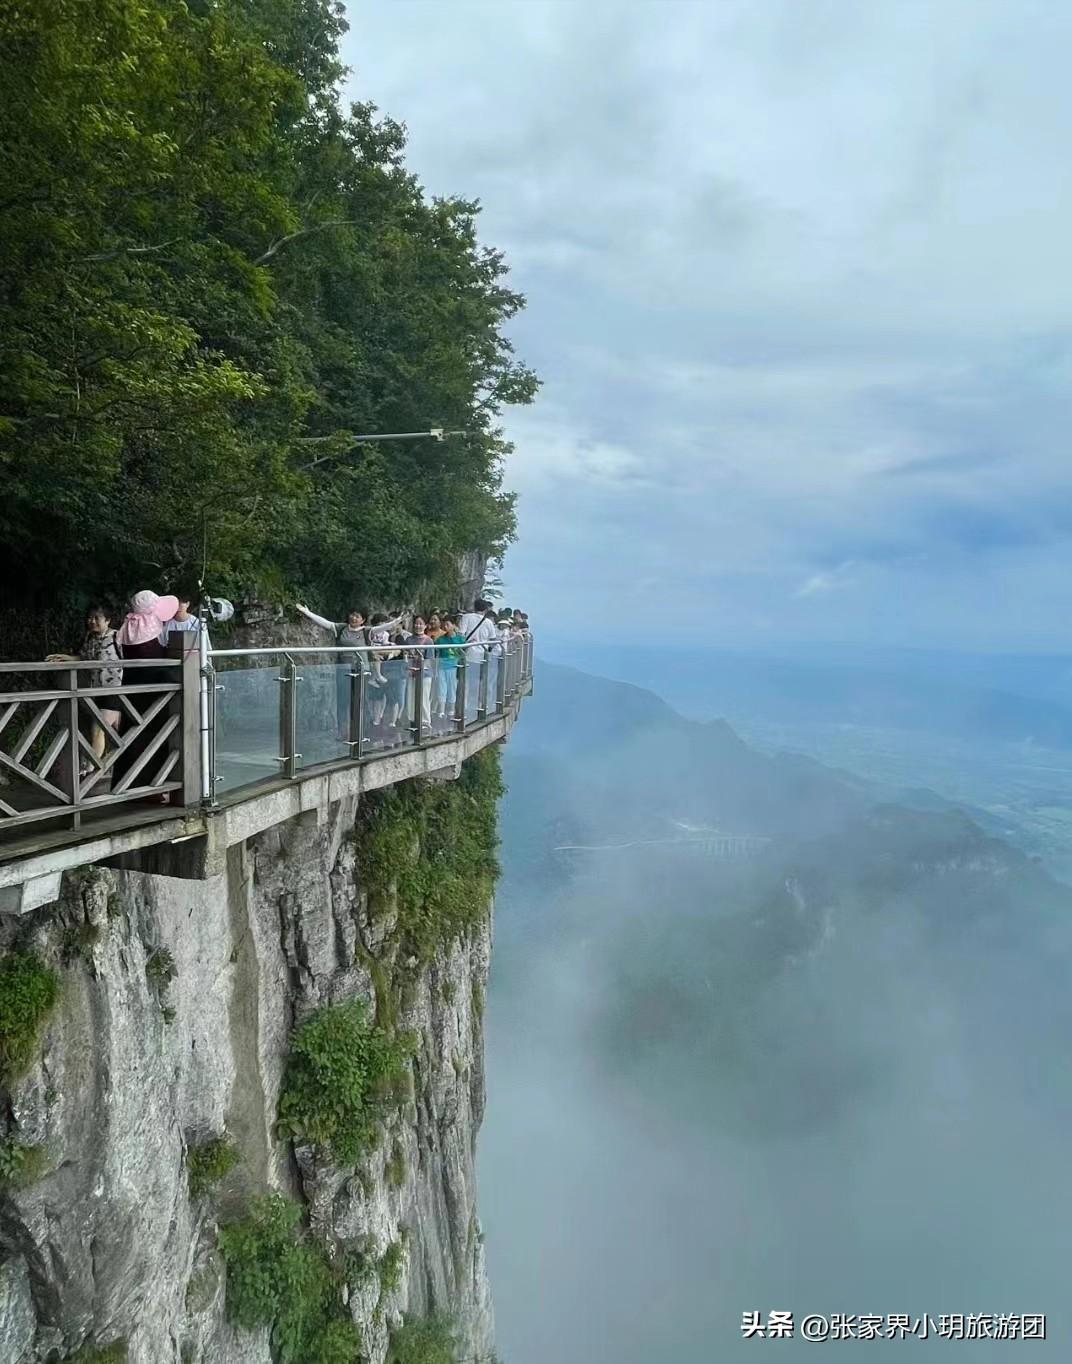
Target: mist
(829, 1078)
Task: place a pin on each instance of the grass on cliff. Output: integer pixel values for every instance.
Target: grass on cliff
(208, 1162)
(434, 846)
(424, 1340)
(21, 1165)
(115, 1353)
(28, 993)
(342, 1077)
(279, 1277)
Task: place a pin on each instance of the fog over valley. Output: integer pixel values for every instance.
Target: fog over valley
(817, 1067)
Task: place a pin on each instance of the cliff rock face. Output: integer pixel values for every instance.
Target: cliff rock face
(177, 1002)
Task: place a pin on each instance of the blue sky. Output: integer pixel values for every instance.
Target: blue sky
(800, 290)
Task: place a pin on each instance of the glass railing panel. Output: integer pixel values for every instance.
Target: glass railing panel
(247, 706)
(322, 700)
(252, 713)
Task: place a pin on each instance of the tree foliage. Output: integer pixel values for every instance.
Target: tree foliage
(215, 276)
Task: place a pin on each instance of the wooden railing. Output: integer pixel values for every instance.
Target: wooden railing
(49, 715)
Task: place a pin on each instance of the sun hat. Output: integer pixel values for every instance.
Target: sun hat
(163, 608)
(146, 615)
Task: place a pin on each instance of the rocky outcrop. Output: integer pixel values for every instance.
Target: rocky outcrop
(178, 999)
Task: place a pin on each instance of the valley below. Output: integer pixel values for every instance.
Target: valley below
(822, 1072)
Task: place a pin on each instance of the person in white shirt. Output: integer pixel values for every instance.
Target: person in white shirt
(185, 620)
(477, 627)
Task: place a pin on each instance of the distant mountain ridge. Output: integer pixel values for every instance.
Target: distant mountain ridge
(706, 681)
(602, 763)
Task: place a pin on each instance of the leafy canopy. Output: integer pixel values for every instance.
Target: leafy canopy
(214, 276)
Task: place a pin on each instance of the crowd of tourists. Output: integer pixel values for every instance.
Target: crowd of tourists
(418, 655)
(403, 658)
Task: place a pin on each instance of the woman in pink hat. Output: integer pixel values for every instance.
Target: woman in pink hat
(139, 637)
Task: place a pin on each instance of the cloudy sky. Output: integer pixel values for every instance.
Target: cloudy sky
(800, 291)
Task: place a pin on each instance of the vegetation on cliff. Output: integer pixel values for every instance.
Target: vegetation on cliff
(279, 1276)
(430, 850)
(28, 991)
(215, 275)
(343, 1074)
(20, 1164)
(208, 1162)
(426, 857)
(113, 1353)
(424, 1340)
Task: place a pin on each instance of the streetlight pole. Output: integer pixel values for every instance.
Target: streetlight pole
(436, 433)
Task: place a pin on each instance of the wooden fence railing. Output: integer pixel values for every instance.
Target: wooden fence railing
(50, 715)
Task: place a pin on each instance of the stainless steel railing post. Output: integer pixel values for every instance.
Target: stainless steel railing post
(482, 690)
(213, 689)
(417, 692)
(460, 694)
(358, 689)
(288, 717)
(501, 680)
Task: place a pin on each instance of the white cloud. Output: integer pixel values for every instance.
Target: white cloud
(818, 584)
(798, 289)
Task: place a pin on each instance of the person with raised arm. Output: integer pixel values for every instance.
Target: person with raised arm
(349, 632)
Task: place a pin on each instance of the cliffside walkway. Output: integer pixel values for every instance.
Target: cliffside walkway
(233, 742)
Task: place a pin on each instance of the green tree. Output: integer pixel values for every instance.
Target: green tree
(213, 277)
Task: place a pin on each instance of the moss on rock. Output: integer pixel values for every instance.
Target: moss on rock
(28, 992)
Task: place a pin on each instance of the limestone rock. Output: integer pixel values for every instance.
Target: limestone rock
(108, 1244)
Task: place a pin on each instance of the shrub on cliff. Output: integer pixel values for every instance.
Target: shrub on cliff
(279, 1277)
(424, 1340)
(435, 846)
(28, 992)
(20, 1165)
(342, 1073)
(208, 1162)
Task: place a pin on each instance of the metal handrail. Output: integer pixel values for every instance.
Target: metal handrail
(349, 648)
(63, 665)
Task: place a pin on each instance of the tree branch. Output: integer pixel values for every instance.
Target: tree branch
(303, 232)
(128, 251)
